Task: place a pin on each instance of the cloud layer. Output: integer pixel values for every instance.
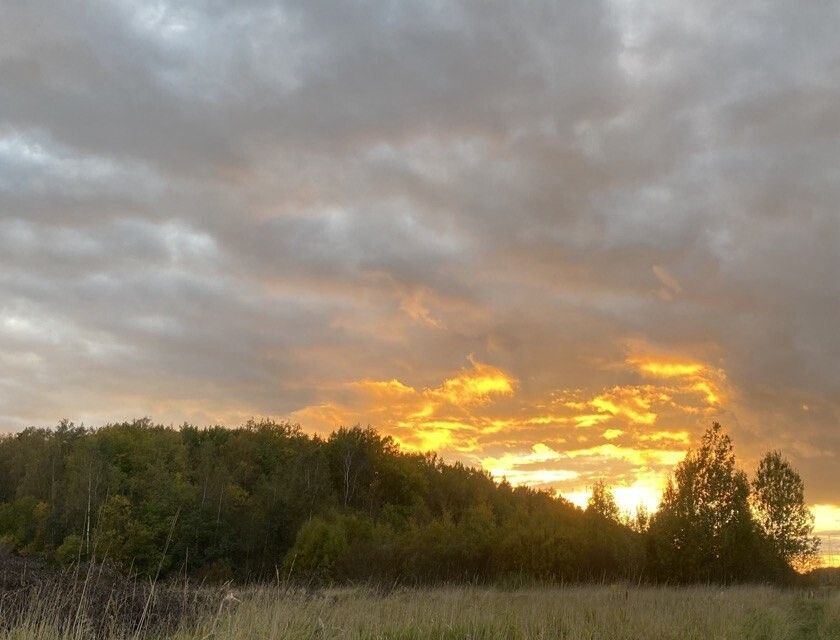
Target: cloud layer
(211, 210)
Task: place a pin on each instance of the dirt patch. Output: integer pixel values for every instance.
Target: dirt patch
(95, 599)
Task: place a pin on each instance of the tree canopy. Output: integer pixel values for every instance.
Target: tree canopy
(705, 529)
(602, 502)
(267, 500)
(779, 500)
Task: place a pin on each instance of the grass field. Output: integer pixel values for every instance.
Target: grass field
(607, 612)
(579, 612)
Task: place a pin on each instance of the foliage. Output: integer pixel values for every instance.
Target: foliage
(704, 530)
(779, 500)
(268, 501)
(602, 502)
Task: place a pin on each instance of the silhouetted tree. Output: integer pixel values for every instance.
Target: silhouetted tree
(602, 502)
(779, 500)
(638, 521)
(704, 529)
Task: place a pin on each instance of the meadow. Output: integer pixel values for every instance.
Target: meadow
(605, 612)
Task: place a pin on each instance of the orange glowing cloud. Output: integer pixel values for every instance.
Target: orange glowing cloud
(510, 467)
(549, 441)
(384, 388)
(631, 402)
(421, 419)
(475, 386)
(674, 436)
(688, 376)
(668, 369)
(479, 415)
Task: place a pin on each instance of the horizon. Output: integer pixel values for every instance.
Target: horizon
(551, 242)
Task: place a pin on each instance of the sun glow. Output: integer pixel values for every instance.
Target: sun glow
(644, 493)
(827, 528)
(641, 493)
(630, 435)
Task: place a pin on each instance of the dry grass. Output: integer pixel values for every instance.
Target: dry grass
(578, 612)
(590, 612)
(92, 601)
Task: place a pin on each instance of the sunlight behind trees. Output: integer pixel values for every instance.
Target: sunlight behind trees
(247, 503)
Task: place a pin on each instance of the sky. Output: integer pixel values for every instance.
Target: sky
(556, 240)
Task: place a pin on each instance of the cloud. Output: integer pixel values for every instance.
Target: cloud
(434, 418)
(482, 416)
(216, 210)
(670, 286)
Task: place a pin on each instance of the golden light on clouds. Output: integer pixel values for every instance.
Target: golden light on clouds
(436, 418)
(630, 435)
(669, 369)
(630, 402)
(475, 386)
(514, 468)
(696, 376)
(675, 436)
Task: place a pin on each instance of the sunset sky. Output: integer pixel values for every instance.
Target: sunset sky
(556, 240)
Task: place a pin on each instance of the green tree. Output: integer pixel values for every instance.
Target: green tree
(223, 503)
(704, 529)
(779, 500)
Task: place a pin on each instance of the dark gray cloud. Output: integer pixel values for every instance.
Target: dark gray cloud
(215, 209)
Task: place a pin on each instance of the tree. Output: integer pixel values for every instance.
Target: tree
(704, 528)
(602, 502)
(638, 521)
(224, 504)
(779, 501)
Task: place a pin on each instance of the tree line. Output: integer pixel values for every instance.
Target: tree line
(267, 501)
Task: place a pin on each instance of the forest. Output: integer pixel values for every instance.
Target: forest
(268, 502)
